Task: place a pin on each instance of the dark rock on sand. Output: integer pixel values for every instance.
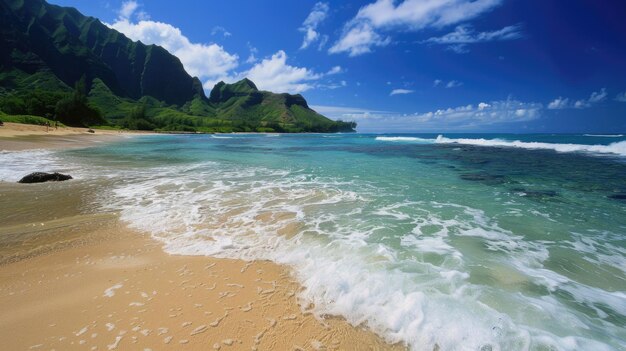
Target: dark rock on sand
(40, 177)
(618, 196)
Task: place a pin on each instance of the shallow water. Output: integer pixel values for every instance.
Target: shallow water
(467, 242)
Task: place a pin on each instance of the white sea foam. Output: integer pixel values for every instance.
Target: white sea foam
(332, 233)
(617, 148)
(405, 139)
(16, 164)
(220, 137)
(605, 135)
(309, 223)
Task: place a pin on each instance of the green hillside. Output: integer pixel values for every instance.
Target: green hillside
(61, 65)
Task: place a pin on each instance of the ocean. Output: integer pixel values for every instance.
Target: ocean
(448, 242)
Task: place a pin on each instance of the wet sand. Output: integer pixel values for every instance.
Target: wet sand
(73, 277)
(118, 290)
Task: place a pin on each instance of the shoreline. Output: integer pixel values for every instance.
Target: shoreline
(118, 290)
(84, 281)
(20, 137)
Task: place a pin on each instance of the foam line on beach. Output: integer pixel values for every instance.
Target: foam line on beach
(301, 221)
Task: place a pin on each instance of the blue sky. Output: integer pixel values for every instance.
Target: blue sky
(405, 66)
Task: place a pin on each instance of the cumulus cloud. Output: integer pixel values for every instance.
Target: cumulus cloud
(275, 74)
(206, 61)
(209, 62)
(127, 9)
(465, 34)
(220, 30)
(564, 103)
(335, 70)
(317, 15)
(453, 84)
(212, 63)
(400, 92)
(598, 96)
(361, 34)
(350, 113)
(252, 56)
(461, 118)
(505, 111)
(559, 103)
(130, 8)
(359, 40)
(621, 97)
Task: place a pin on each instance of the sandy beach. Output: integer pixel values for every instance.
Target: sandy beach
(73, 279)
(16, 136)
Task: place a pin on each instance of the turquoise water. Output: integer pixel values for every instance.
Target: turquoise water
(465, 242)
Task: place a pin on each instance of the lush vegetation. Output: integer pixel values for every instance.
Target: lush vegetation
(59, 65)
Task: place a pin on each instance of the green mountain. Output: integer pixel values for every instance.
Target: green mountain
(59, 64)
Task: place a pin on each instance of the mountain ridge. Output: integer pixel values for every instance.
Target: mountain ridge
(49, 53)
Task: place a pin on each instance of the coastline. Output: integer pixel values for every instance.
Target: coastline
(76, 280)
(19, 137)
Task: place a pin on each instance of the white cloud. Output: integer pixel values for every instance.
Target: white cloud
(465, 34)
(358, 40)
(559, 103)
(360, 34)
(621, 97)
(142, 16)
(274, 74)
(594, 98)
(335, 70)
(598, 96)
(437, 82)
(317, 15)
(461, 118)
(323, 41)
(127, 9)
(252, 56)
(332, 85)
(505, 111)
(563, 103)
(348, 113)
(212, 63)
(417, 14)
(400, 92)
(483, 105)
(454, 84)
(580, 104)
(220, 30)
(206, 61)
